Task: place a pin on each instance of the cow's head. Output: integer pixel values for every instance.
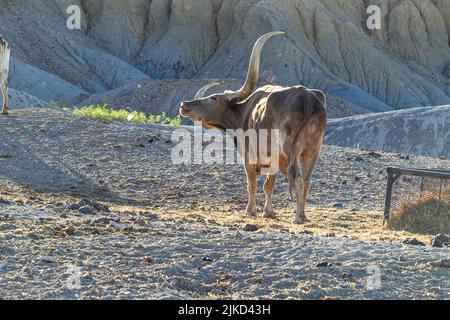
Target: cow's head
(211, 110)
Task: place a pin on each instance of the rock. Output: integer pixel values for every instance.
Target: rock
(413, 242)
(373, 154)
(3, 201)
(324, 264)
(443, 263)
(87, 210)
(440, 240)
(346, 275)
(117, 225)
(7, 226)
(73, 206)
(70, 231)
(21, 100)
(381, 131)
(338, 205)
(102, 220)
(40, 86)
(403, 156)
(208, 260)
(84, 202)
(101, 207)
(147, 259)
(91, 205)
(35, 235)
(46, 259)
(9, 251)
(251, 227)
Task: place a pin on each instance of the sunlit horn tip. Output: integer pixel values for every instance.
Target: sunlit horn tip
(277, 32)
(201, 93)
(273, 33)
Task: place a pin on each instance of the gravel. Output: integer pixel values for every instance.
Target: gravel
(194, 261)
(157, 230)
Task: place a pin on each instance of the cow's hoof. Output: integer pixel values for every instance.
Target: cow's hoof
(251, 213)
(250, 210)
(4, 113)
(299, 220)
(270, 214)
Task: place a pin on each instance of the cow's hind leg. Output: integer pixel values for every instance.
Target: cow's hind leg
(297, 184)
(268, 192)
(251, 188)
(309, 161)
(4, 90)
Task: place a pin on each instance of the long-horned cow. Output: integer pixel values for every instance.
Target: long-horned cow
(4, 69)
(297, 113)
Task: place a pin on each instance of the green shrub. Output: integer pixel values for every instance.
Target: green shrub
(102, 112)
(164, 119)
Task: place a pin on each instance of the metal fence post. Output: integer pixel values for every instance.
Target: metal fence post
(387, 205)
(393, 175)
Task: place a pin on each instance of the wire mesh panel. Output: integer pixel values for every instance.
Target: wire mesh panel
(418, 200)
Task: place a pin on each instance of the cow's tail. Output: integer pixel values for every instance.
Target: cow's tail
(293, 169)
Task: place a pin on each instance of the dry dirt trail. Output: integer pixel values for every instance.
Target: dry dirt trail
(106, 198)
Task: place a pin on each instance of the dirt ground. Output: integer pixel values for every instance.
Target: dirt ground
(134, 195)
(54, 156)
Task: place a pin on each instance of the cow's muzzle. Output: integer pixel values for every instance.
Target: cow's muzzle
(184, 109)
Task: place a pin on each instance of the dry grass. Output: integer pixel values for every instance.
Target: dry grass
(424, 215)
(324, 222)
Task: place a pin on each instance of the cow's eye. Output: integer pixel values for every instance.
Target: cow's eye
(214, 98)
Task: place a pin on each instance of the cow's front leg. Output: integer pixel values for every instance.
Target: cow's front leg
(251, 188)
(268, 192)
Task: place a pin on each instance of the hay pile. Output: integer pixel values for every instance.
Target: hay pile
(426, 214)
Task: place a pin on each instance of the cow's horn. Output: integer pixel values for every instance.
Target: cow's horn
(201, 93)
(253, 69)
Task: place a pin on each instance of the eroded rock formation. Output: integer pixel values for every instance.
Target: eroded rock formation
(420, 131)
(327, 45)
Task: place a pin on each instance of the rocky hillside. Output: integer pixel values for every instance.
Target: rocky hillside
(405, 64)
(156, 96)
(421, 131)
